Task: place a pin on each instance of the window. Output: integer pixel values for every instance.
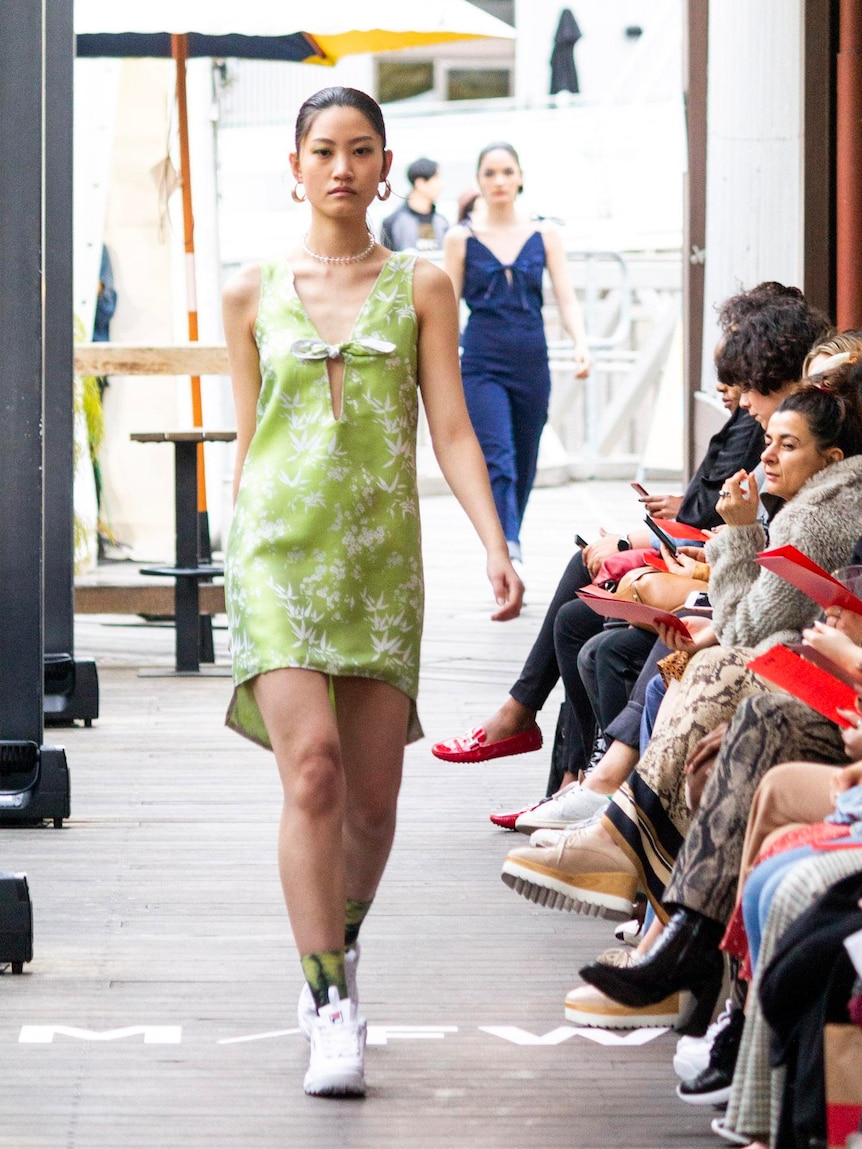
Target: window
(478, 83)
(400, 81)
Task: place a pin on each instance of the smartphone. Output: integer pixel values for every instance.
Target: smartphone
(581, 542)
(698, 600)
(669, 542)
(642, 491)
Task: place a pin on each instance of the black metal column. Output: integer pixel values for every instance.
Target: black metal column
(187, 593)
(71, 688)
(34, 782)
(21, 72)
(59, 419)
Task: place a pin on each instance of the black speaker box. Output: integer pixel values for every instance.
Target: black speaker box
(16, 921)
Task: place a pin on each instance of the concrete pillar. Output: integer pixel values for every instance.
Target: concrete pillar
(754, 203)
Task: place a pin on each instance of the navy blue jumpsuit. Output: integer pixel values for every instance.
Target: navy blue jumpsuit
(507, 382)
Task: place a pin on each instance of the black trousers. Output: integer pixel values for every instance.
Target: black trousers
(610, 666)
(540, 672)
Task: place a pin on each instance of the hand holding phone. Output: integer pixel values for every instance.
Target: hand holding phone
(642, 491)
(581, 542)
(663, 536)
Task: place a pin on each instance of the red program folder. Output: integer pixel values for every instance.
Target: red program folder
(609, 606)
(811, 684)
(682, 530)
(791, 564)
(656, 561)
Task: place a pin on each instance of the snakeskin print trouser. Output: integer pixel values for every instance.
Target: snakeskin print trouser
(766, 730)
(648, 816)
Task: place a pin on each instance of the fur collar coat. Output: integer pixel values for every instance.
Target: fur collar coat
(753, 607)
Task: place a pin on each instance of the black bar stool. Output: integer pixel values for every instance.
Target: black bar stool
(188, 571)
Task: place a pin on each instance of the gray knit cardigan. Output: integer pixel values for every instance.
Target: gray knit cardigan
(752, 606)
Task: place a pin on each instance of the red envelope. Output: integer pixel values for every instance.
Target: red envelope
(807, 682)
(603, 602)
(799, 570)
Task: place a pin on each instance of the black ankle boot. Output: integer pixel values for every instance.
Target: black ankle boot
(684, 957)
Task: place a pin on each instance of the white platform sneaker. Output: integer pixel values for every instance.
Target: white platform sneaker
(336, 1067)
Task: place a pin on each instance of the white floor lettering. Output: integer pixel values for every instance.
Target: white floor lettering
(152, 1034)
(377, 1034)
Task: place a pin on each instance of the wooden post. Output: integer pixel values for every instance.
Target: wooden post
(821, 46)
(179, 50)
(848, 168)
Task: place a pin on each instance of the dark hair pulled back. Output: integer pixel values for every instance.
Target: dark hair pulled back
(833, 413)
(338, 97)
(498, 145)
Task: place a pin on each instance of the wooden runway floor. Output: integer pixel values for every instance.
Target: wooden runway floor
(159, 1009)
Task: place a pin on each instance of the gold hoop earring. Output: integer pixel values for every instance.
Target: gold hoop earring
(295, 196)
(383, 198)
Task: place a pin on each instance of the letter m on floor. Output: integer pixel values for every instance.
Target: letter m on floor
(152, 1034)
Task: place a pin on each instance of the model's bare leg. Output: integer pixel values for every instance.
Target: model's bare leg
(372, 722)
(299, 718)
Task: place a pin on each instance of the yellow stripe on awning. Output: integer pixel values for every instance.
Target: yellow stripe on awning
(378, 40)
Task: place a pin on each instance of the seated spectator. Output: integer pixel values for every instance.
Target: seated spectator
(766, 730)
(813, 463)
(570, 623)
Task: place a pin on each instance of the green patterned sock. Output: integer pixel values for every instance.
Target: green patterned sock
(323, 970)
(354, 916)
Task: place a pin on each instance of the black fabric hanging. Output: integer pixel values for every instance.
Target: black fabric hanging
(564, 74)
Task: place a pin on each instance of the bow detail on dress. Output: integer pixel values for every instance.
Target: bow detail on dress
(513, 277)
(317, 349)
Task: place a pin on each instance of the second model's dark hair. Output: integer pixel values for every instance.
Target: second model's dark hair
(339, 97)
(498, 145)
(765, 349)
(833, 414)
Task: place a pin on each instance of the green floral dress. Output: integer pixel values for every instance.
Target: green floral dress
(323, 568)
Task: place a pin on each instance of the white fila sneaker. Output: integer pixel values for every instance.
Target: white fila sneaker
(306, 1010)
(336, 1067)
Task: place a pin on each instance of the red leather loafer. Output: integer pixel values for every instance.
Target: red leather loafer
(473, 747)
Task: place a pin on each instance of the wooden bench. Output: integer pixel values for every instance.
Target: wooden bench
(148, 599)
(141, 359)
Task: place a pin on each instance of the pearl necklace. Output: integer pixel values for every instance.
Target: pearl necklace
(364, 254)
